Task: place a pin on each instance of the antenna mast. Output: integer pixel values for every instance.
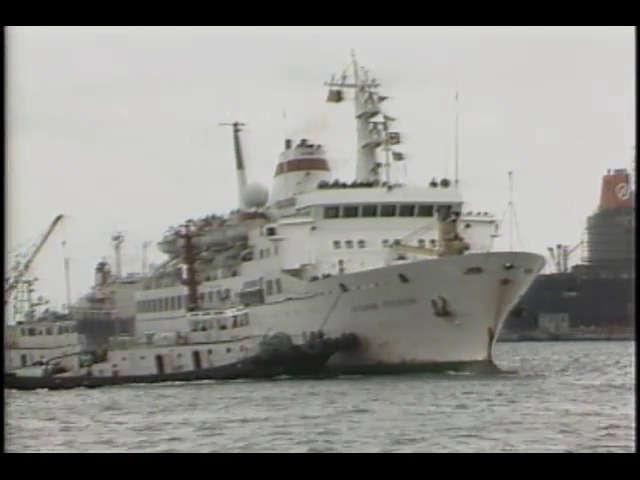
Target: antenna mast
(67, 275)
(457, 160)
(145, 248)
(513, 219)
(118, 240)
(632, 187)
(240, 168)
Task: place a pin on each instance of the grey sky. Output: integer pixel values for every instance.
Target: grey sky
(117, 126)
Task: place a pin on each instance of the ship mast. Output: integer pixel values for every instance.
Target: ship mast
(371, 133)
(145, 264)
(67, 276)
(191, 280)
(118, 240)
(240, 168)
(456, 180)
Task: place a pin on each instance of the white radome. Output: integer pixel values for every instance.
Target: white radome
(255, 195)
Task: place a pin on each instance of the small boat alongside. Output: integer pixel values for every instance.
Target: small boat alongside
(221, 346)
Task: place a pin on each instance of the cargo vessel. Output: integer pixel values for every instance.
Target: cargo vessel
(594, 299)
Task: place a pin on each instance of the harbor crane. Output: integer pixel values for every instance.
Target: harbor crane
(22, 264)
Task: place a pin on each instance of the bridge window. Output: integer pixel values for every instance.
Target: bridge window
(425, 210)
(385, 243)
(407, 210)
(388, 210)
(337, 244)
(269, 289)
(422, 242)
(350, 211)
(331, 212)
(362, 244)
(278, 285)
(369, 210)
(349, 243)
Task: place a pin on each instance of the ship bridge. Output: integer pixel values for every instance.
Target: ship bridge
(299, 170)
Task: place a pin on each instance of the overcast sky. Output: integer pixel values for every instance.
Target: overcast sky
(116, 127)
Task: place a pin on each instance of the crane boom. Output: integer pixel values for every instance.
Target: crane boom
(17, 277)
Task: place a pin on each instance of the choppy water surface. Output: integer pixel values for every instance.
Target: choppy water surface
(565, 397)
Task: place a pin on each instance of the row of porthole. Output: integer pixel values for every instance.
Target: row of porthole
(349, 244)
(506, 266)
(357, 287)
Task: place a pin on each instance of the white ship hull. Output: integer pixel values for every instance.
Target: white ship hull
(395, 320)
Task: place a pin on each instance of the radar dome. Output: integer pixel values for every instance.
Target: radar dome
(255, 195)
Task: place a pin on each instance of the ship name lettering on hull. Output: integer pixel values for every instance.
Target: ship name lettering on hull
(400, 302)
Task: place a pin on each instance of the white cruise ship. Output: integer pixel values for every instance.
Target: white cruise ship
(402, 266)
